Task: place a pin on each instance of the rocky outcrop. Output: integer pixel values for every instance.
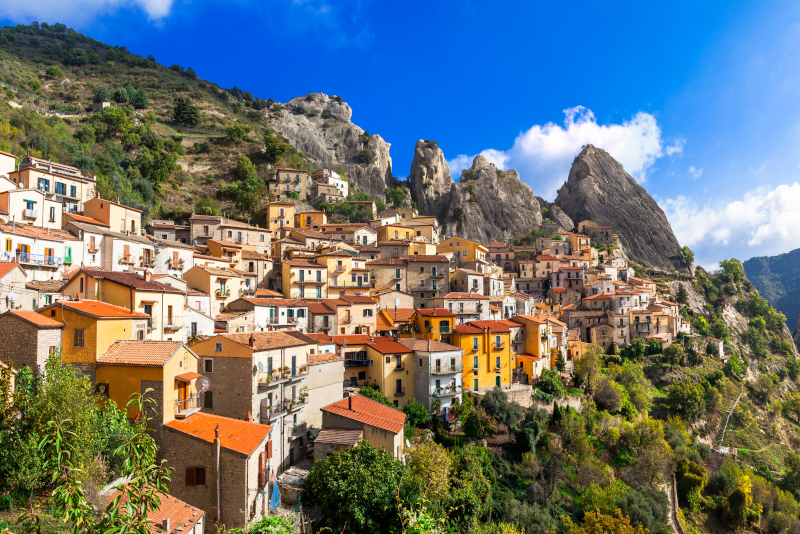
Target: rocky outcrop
(319, 126)
(486, 205)
(599, 189)
(556, 214)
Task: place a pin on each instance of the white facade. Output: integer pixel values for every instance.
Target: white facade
(196, 324)
(281, 317)
(201, 303)
(332, 178)
(365, 236)
(441, 382)
(43, 257)
(171, 259)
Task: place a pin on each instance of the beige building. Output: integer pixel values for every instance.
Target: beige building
(29, 206)
(325, 372)
(60, 183)
(279, 215)
(304, 279)
(353, 314)
(28, 339)
(381, 425)
(289, 181)
(223, 285)
(119, 218)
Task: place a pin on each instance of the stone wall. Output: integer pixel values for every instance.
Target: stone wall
(414, 277)
(231, 385)
(25, 345)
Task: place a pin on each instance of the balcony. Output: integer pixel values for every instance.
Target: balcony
(125, 259)
(178, 265)
(222, 293)
(358, 363)
(340, 268)
(173, 324)
(518, 339)
(147, 261)
(39, 259)
(185, 408)
(238, 240)
(445, 391)
(247, 292)
(30, 214)
(499, 346)
(152, 324)
(298, 373)
(400, 367)
(67, 260)
(400, 392)
(447, 369)
(437, 275)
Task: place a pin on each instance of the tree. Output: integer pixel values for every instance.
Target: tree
(683, 295)
(185, 112)
(496, 404)
(275, 148)
(561, 363)
(791, 475)
(356, 487)
(458, 213)
(588, 366)
(478, 424)
(158, 159)
(365, 156)
(732, 270)
(598, 523)
(120, 95)
(53, 72)
(416, 414)
(550, 382)
(396, 196)
(691, 478)
(238, 133)
(688, 256)
(685, 398)
(647, 506)
(429, 466)
(373, 393)
(102, 94)
(609, 395)
(245, 170)
(673, 354)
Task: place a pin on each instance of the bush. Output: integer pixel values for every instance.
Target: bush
(646, 506)
(238, 133)
(478, 424)
(458, 213)
(185, 112)
(365, 156)
(373, 393)
(550, 382)
(120, 95)
(416, 414)
(608, 395)
(496, 404)
(102, 94)
(53, 72)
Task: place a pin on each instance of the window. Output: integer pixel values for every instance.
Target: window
(44, 185)
(397, 273)
(475, 384)
(474, 343)
(29, 205)
(52, 213)
(368, 313)
(218, 346)
(9, 245)
(140, 335)
(208, 400)
(61, 189)
(261, 237)
(73, 191)
(497, 362)
(205, 230)
(497, 342)
(81, 286)
(195, 476)
(474, 362)
(77, 339)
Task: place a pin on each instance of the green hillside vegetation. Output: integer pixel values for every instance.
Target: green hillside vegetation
(777, 279)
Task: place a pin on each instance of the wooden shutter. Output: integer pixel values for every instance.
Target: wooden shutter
(175, 256)
(190, 476)
(262, 469)
(269, 449)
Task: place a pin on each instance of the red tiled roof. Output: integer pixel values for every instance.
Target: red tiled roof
(510, 324)
(493, 326)
(357, 299)
(319, 308)
(6, 267)
(427, 345)
(130, 280)
(382, 323)
(528, 318)
(527, 356)
(324, 357)
(302, 263)
(36, 319)
(352, 339)
(369, 412)
(180, 514)
(467, 329)
(256, 301)
(87, 220)
(320, 337)
(136, 352)
(429, 258)
(98, 309)
(435, 312)
(239, 436)
(339, 436)
(402, 315)
(466, 296)
(264, 293)
(387, 345)
(559, 289)
(190, 375)
(265, 340)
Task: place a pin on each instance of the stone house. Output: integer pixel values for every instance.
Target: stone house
(197, 324)
(288, 181)
(503, 256)
(257, 263)
(169, 231)
(648, 285)
(274, 313)
(569, 278)
(354, 314)
(381, 425)
(427, 277)
(325, 372)
(392, 298)
(204, 449)
(389, 273)
(321, 318)
(235, 322)
(601, 334)
(466, 281)
(467, 306)
(16, 295)
(170, 511)
(563, 297)
(332, 440)
(28, 339)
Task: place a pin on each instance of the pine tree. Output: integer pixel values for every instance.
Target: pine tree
(683, 295)
(561, 364)
(185, 112)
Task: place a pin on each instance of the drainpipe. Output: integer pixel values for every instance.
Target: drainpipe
(219, 476)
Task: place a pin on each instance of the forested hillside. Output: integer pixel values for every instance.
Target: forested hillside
(778, 280)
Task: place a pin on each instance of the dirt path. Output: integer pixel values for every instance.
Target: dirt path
(727, 420)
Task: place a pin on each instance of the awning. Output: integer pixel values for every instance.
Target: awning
(149, 301)
(230, 249)
(187, 377)
(31, 201)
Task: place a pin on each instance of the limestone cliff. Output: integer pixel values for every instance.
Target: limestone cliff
(319, 126)
(486, 205)
(599, 189)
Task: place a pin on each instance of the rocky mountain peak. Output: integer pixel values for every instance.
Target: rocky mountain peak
(599, 189)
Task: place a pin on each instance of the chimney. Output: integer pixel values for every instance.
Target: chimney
(252, 341)
(349, 402)
(147, 275)
(96, 194)
(165, 524)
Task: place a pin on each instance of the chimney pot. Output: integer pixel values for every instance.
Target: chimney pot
(147, 275)
(165, 524)
(349, 402)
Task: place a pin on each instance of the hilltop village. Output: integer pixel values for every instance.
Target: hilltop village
(257, 341)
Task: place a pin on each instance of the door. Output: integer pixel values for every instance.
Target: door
(399, 385)
(497, 381)
(169, 315)
(182, 395)
(294, 369)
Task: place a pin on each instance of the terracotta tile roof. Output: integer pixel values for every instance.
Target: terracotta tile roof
(224, 317)
(266, 293)
(435, 312)
(86, 220)
(527, 356)
(399, 315)
(308, 232)
(302, 263)
(427, 345)
(180, 514)
(429, 258)
(558, 289)
(238, 436)
(324, 357)
(186, 377)
(98, 309)
(265, 340)
(260, 301)
(320, 337)
(388, 261)
(319, 308)
(195, 292)
(493, 326)
(223, 243)
(352, 339)
(466, 296)
(333, 303)
(216, 271)
(527, 318)
(357, 299)
(339, 436)
(369, 412)
(253, 255)
(130, 280)
(8, 266)
(382, 323)
(48, 286)
(39, 232)
(467, 329)
(387, 345)
(37, 319)
(135, 352)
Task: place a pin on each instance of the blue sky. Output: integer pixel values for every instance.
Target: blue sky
(697, 100)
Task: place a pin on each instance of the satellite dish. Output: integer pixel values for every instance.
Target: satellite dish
(261, 367)
(202, 384)
(12, 297)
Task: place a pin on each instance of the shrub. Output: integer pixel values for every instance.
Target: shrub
(496, 404)
(275, 148)
(458, 213)
(365, 156)
(238, 133)
(53, 72)
(646, 506)
(478, 424)
(468, 174)
(375, 394)
(608, 395)
(102, 94)
(120, 95)
(551, 383)
(185, 112)
(416, 414)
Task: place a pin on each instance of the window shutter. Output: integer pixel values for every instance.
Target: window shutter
(190, 478)
(269, 449)
(262, 469)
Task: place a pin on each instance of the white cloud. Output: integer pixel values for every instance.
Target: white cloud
(695, 172)
(77, 12)
(767, 219)
(543, 154)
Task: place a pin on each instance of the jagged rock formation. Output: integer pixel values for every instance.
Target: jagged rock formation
(599, 189)
(486, 205)
(557, 215)
(320, 127)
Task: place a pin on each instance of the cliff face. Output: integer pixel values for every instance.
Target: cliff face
(486, 205)
(599, 189)
(320, 127)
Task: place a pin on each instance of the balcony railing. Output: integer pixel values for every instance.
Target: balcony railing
(172, 264)
(358, 363)
(445, 391)
(340, 268)
(39, 259)
(92, 248)
(447, 369)
(30, 214)
(247, 292)
(125, 259)
(400, 392)
(223, 293)
(147, 261)
(152, 324)
(400, 367)
(185, 408)
(173, 323)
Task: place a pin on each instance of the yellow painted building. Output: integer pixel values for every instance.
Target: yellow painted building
(164, 304)
(223, 285)
(488, 358)
(465, 251)
(395, 232)
(228, 250)
(417, 248)
(119, 218)
(310, 219)
(437, 324)
(91, 327)
(279, 215)
(302, 279)
(379, 361)
(347, 275)
(129, 367)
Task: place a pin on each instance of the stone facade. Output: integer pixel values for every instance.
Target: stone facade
(155, 412)
(386, 273)
(231, 385)
(25, 345)
(27, 299)
(426, 280)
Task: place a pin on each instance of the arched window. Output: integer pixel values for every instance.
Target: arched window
(252, 267)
